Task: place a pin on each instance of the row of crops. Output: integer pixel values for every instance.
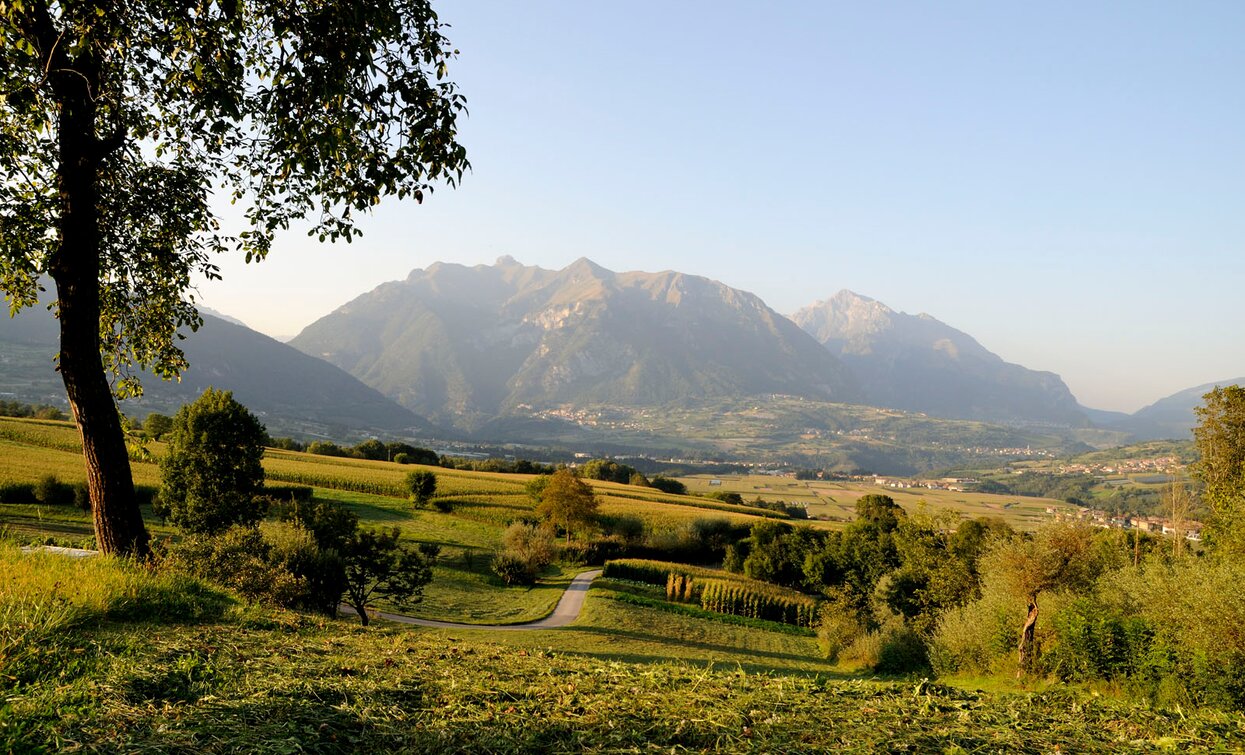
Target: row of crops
(719, 591)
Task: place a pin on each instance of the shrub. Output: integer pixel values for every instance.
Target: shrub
(512, 570)
(902, 650)
(402, 458)
(421, 485)
(837, 626)
(50, 491)
(17, 492)
(239, 559)
(82, 496)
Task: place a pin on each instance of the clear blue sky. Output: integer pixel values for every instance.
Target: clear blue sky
(1063, 181)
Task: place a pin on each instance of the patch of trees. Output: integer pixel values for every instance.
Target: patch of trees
(313, 556)
(1070, 488)
(506, 466)
(33, 411)
(668, 485)
(611, 471)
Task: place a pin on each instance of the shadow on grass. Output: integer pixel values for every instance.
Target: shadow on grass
(605, 634)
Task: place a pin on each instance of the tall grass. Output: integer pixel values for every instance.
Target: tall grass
(46, 597)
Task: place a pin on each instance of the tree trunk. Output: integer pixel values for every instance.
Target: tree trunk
(1028, 648)
(75, 266)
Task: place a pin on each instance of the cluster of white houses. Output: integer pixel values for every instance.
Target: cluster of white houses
(1190, 529)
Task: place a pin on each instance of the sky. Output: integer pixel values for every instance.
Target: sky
(1063, 181)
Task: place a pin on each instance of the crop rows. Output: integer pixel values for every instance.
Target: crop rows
(754, 601)
(718, 591)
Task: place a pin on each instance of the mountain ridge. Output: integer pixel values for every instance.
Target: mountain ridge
(918, 363)
(468, 344)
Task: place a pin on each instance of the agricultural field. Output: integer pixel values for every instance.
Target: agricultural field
(835, 501)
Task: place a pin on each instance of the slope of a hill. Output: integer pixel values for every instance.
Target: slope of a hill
(1171, 417)
(917, 363)
(466, 345)
(291, 392)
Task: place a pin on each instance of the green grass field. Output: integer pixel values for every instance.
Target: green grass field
(101, 656)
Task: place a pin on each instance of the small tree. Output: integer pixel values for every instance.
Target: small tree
(376, 566)
(421, 485)
(211, 472)
(567, 502)
(1058, 556)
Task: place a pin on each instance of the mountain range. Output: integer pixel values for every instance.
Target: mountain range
(290, 392)
(464, 345)
(517, 353)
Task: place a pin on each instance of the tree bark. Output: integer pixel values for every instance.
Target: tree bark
(1027, 648)
(75, 266)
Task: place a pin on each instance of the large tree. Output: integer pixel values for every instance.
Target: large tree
(120, 120)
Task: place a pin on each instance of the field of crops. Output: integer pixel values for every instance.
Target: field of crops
(835, 501)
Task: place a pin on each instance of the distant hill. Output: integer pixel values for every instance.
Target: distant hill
(470, 344)
(1171, 417)
(291, 392)
(916, 363)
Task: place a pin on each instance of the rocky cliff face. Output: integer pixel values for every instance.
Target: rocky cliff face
(916, 363)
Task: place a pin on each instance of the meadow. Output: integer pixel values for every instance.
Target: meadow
(102, 656)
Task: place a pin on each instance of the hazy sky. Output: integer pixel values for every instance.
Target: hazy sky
(1063, 181)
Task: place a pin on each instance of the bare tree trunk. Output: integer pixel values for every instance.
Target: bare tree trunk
(75, 267)
(1027, 647)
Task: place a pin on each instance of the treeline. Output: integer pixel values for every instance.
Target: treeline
(35, 411)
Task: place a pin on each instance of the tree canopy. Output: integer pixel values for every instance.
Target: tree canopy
(211, 472)
(567, 502)
(119, 124)
(1220, 438)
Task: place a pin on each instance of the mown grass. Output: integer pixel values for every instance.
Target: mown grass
(246, 680)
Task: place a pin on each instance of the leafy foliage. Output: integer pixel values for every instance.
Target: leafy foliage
(567, 502)
(1220, 438)
(421, 485)
(211, 472)
(377, 566)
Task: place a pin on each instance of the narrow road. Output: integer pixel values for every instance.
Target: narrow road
(567, 610)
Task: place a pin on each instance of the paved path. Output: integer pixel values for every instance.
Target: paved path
(567, 610)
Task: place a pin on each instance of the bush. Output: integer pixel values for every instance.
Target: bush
(837, 626)
(52, 492)
(82, 496)
(512, 570)
(902, 650)
(17, 492)
(239, 559)
(402, 458)
(421, 486)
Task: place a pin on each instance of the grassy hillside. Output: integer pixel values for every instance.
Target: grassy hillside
(101, 657)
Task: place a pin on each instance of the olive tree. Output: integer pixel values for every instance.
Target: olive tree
(121, 120)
